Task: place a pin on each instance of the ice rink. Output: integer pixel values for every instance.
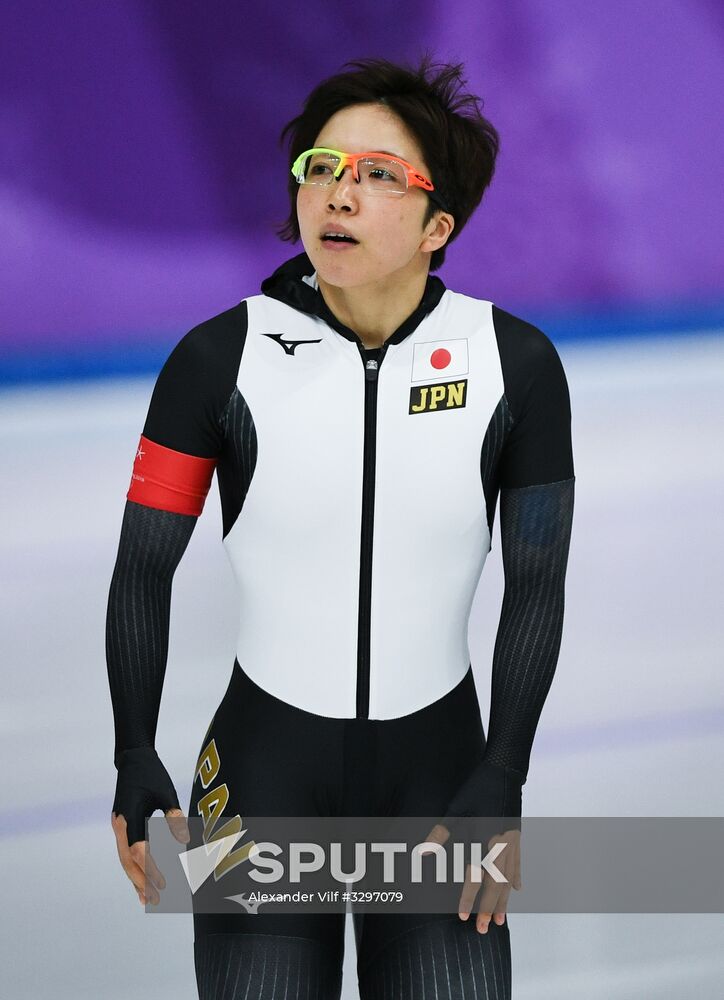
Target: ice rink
(633, 725)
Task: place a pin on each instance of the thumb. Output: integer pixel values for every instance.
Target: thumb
(178, 826)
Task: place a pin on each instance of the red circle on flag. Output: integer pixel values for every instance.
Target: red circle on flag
(440, 358)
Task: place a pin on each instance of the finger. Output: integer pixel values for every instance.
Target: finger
(124, 853)
(501, 906)
(139, 851)
(470, 890)
(120, 828)
(138, 880)
(506, 864)
(145, 887)
(438, 835)
(151, 879)
(118, 823)
(130, 865)
(151, 894)
(154, 873)
(488, 904)
(509, 858)
(178, 825)
(487, 908)
(134, 872)
(512, 863)
(517, 881)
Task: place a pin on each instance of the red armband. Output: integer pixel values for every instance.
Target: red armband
(170, 480)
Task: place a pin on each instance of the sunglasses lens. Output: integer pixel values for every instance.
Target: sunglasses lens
(382, 176)
(317, 168)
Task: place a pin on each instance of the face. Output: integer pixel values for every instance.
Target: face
(389, 229)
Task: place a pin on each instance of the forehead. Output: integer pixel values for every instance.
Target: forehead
(369, 127)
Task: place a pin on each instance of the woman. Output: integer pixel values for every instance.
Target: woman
(362, 420)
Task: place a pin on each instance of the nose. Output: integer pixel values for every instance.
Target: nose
(343, 191)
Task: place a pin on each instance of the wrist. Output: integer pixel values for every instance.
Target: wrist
(133, 755)
(489, 790)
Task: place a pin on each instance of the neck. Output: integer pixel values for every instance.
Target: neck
(375, 310)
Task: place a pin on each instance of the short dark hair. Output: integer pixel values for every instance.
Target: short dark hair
(459, 144)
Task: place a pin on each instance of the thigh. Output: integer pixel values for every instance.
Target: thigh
(267, 966)
(426, 756)
(262, 757)
(407, 956)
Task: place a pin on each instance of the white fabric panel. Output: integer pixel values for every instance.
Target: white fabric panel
(431, 536)
(295, 546)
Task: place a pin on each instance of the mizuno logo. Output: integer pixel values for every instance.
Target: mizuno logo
(289, 345)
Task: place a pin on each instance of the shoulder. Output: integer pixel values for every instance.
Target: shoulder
(216, 341)
(195, 384)
(538, 449)
(528, 358)
(521, 342)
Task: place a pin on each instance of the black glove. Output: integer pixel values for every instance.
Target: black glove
(143, 786)
(489, 791)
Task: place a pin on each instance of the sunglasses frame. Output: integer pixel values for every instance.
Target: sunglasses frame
(414, 179)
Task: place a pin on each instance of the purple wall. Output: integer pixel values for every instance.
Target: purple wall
(127, 216)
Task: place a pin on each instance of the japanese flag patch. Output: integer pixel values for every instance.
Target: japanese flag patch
(440, 359)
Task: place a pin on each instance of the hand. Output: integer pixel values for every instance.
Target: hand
(494, 895)
(137, 860)
(143, 786)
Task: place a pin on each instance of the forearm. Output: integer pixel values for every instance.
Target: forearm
(137, 624)
(524, 662)
(535, 524)
(535, 531)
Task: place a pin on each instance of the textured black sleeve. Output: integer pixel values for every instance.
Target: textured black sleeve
(137, 622)
(535, 527)
(186, 414)
(536, 515)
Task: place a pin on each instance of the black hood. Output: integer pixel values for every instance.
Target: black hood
(286, 285)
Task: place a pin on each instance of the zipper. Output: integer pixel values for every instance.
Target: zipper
(366, 535)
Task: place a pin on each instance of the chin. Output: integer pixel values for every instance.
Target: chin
(339, 272)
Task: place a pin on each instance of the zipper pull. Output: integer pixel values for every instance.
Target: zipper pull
(371, 370)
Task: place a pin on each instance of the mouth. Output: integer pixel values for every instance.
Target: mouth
(334, 245)
(333, 237)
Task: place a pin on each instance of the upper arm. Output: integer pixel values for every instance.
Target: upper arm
(184, 432)
(538, 448)
(536, 473)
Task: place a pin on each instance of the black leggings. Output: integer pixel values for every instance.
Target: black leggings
(278, 760)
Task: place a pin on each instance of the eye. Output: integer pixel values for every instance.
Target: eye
(319, 169)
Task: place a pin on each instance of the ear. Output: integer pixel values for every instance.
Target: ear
(437, 232)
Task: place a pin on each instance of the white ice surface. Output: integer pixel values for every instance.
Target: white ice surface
(633, 725)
